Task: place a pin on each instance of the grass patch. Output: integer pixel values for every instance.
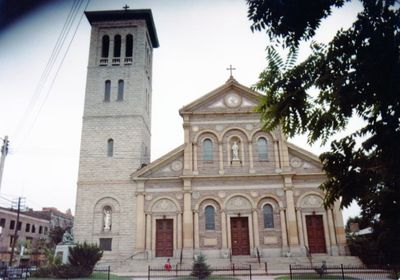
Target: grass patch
(103, 275)
(312, 276)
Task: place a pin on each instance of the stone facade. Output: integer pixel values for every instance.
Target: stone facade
(231, 188)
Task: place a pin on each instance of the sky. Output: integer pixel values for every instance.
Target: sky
(198, 41)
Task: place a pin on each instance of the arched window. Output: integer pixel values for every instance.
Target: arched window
(107, 90)
(129, 45)
(120, 96)
(207, 150)
(117, 46)
(105, 46)
(209, 213)
(268, 216)
(110, 147)
(262, 148)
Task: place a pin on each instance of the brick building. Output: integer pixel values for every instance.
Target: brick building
(33, 229)
(229, 189)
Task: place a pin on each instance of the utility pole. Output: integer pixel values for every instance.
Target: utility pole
(15, 232)
(4, 152)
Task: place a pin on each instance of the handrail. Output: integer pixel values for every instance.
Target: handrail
(258, 256)
(308, 254)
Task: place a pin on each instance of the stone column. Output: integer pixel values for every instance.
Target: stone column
(196, 230)
(332, 235)
(195, 170)
(187, 219)
(223, 230)
(179, 233)
(276, 153)
(148, 231)
(221, 158)
(339, 226)
(283, 229)
(255, 228)
(300, 227)
(187, 162)
(291, 216)
(251, 159)
(140, 228)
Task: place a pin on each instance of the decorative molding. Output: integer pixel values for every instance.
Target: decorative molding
(238, 203)
(176, 165)
(311, 201)
(296, 162)
(164, 205)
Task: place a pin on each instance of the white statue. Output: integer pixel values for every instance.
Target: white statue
(107, 218)
(235, 151)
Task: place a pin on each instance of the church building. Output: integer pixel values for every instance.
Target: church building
(231, 189)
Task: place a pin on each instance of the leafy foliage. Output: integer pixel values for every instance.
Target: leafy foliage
(356, 74)
(84, 256)
(200, 268)
(56, 235)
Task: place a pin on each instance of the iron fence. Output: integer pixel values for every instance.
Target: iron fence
(342, 272)
(184, 272)
(19, 273)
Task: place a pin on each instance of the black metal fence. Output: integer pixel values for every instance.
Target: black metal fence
(342, 272)
(184, 272)
(27, 272)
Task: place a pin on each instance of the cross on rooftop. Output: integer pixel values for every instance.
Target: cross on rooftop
(230, 69)
(126, 7)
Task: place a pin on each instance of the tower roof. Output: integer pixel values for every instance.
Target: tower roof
(144, 14)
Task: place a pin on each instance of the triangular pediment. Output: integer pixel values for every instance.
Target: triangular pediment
(303, 161)
(231, 97)
(169, 165)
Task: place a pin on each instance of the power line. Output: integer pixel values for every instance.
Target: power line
(47, 70)
(74, 11)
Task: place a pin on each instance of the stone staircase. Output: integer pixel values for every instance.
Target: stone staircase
(274, 265)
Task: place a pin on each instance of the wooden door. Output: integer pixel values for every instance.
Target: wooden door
(315, 233)
(240, 236)
(164, 238)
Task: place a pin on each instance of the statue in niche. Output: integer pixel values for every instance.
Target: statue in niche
(235, 151)
(107, 218)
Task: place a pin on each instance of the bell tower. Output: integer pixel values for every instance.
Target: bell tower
(117, 113)
(116, 125)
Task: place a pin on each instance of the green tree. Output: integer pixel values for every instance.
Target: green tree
(356, 74)
(84, 256)
(56, 235)
(200, 268)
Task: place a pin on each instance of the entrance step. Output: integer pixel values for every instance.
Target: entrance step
(273, 265)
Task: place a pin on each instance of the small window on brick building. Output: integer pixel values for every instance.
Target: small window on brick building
(33, 229)
(40, 229)
(12, 224)
(105, 244)
(19, 226)
(27, 227)
(2, 222)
